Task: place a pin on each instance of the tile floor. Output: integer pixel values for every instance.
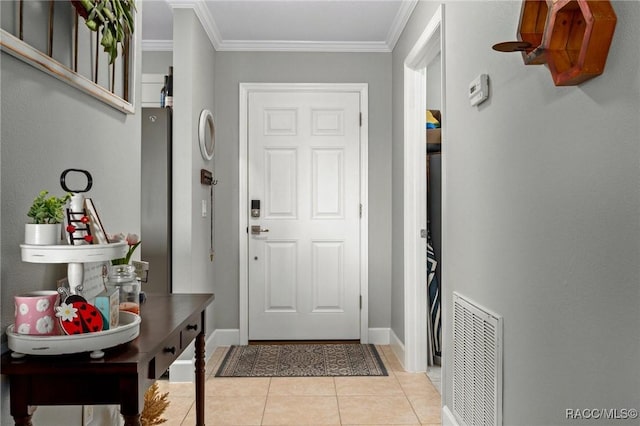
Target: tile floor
(401, 399)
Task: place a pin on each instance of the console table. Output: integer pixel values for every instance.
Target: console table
(169, 324)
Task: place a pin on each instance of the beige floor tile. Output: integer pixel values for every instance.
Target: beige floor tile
(301, 410)
(415, 384)
(391, 362)
(368, 386)
(427, 409)
(180, 390)
(237, 410)
(215, 360)
(302, 386)
(380, 410)
(177, 410)
(238, 386)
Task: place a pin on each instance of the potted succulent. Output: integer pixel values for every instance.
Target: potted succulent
(115, 17)
(47, 214)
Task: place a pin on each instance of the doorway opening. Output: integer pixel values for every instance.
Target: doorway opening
(420, 64)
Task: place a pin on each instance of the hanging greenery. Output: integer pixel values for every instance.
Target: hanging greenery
(115, 17)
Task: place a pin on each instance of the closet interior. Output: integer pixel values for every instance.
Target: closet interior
(434, 233)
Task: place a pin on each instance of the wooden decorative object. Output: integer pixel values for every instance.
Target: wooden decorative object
(578, 36)
(572, 37)
(533, 18)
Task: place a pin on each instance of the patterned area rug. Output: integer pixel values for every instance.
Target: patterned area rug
(302, 360)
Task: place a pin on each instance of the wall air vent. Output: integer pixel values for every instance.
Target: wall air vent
(477, 364)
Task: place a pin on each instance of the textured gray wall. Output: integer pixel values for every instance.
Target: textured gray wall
(156, 62)
(46, 127)
(541, 213)
(194, 60)
(233, 68)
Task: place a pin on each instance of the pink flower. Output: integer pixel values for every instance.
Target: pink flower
(132, 240)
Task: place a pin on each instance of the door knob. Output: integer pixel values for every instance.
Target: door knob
(257, 230)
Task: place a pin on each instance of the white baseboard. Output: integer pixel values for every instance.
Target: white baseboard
(397, 346)
(448, 419)
(231, 336)
(225, 337)
(379, 336)
(184, 370)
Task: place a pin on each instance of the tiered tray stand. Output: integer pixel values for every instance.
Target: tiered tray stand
(75, 257)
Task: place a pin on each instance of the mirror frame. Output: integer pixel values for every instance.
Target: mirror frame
(205, 123)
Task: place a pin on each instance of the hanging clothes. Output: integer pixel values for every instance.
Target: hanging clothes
(434, 299)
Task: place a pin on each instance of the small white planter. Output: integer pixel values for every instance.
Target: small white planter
(42, 233)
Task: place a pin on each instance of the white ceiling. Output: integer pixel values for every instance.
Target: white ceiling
(284, 25)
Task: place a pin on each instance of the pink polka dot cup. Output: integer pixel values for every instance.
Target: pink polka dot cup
(35, 313)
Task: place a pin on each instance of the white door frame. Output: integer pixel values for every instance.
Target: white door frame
(243, 237)
(428, 45)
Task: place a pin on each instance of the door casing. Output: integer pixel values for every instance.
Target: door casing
(431, 42)
(245, 90)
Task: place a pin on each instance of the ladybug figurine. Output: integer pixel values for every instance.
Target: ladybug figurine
(77, 316)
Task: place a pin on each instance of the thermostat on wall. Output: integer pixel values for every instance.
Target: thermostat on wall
(479, 90)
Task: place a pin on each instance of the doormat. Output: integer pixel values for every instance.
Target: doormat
(302, 360)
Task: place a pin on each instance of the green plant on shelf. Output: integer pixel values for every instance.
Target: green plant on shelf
(48, 209)
(115, 17)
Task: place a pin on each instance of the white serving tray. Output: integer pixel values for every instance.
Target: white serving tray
(73, 254)
(25, 344)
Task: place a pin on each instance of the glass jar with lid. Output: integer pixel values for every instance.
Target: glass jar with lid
(123, 278)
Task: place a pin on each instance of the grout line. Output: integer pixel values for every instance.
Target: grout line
(266, 399)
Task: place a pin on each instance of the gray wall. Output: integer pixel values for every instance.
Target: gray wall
(542, 205)
(235, 67)
(46, 127)
(194, 60)
(156, 62)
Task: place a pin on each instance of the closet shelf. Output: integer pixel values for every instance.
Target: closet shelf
(434, 136)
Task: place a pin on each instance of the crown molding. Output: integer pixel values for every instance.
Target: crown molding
(399, 22)
(203, 14)
(157, 45)
(301, 46)
(212, 31)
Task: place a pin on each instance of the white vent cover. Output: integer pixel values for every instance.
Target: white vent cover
(477, 364)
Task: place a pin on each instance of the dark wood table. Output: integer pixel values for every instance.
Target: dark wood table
(169, 324)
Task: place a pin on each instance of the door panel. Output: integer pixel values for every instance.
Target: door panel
(328, 276)
(280, 283)
(281, 177)
(327, 192)
(304, 167)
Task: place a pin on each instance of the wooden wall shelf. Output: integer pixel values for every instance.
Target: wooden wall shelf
(578, 38)
(572, 37)
(533, 18)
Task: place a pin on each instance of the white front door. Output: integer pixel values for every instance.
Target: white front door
(304, 248)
